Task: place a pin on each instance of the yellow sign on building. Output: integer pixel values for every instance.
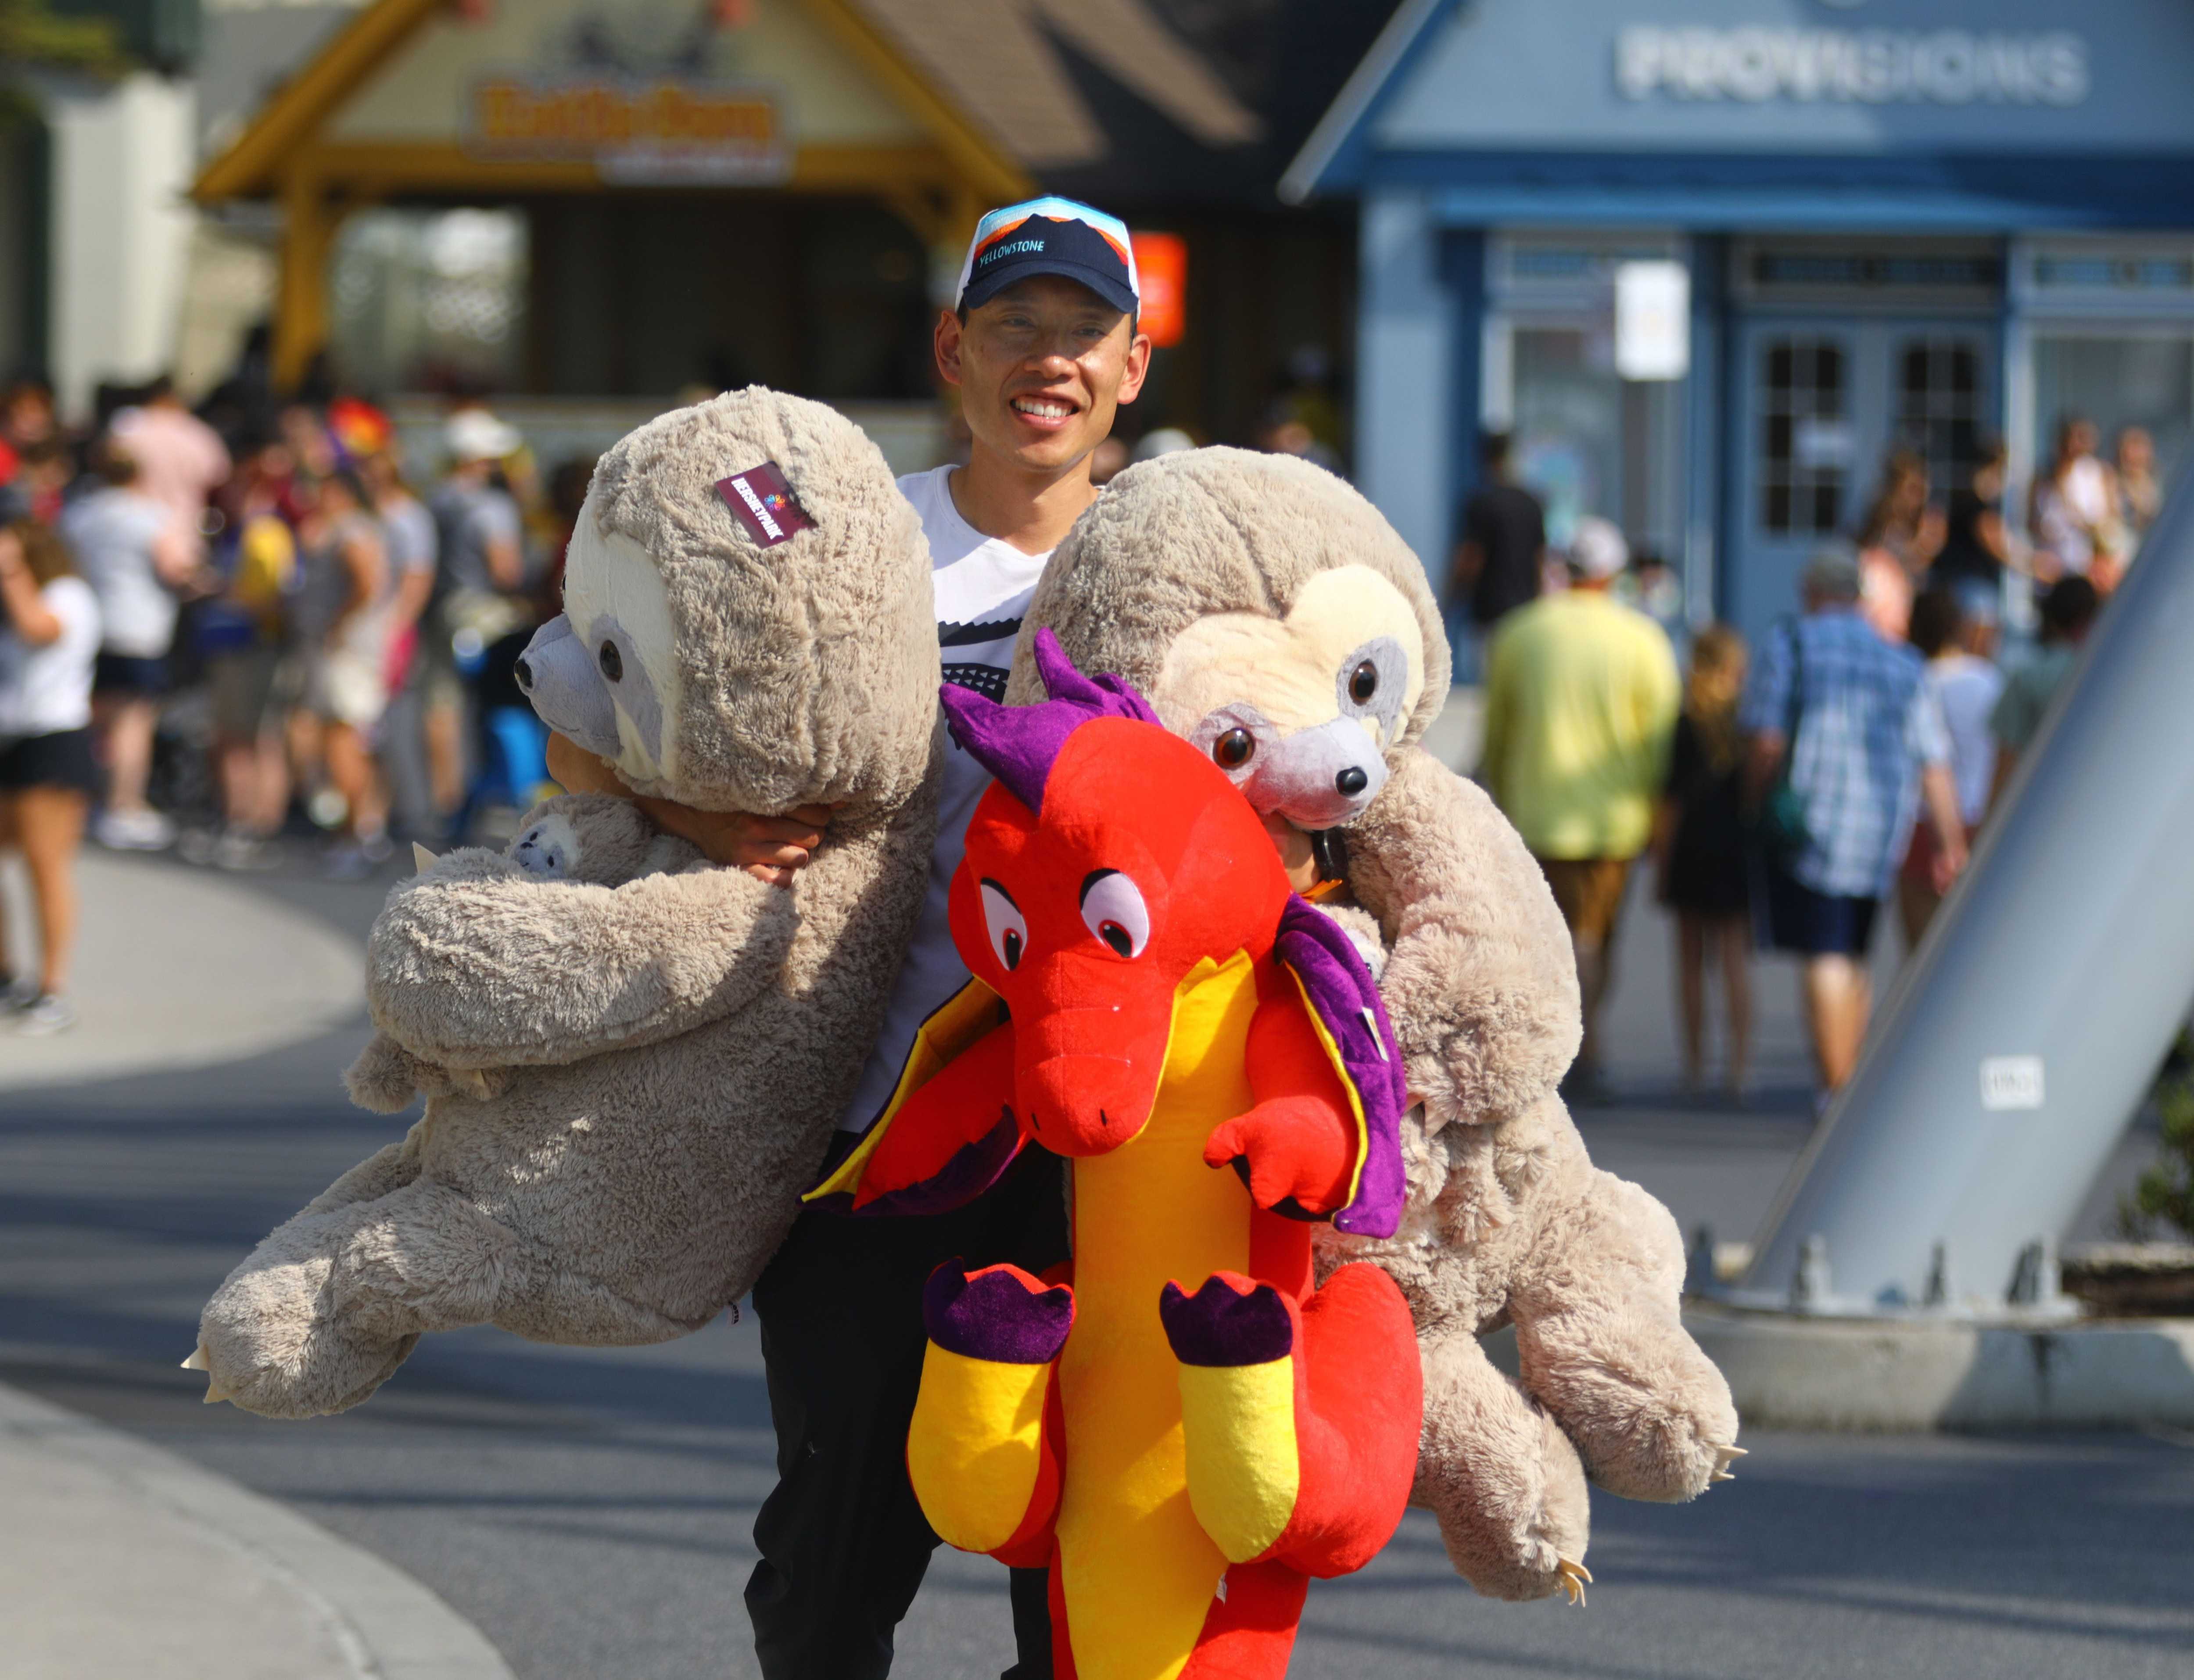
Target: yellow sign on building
(640, 133)
(576, 97)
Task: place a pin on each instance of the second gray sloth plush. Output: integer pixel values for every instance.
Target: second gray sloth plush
(634, 1061)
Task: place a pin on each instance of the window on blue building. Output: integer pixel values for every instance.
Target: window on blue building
(1805, 451)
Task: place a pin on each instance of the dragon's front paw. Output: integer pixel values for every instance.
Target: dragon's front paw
(1291, 1153)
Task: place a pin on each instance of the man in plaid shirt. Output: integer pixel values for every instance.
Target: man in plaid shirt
(1865, 748)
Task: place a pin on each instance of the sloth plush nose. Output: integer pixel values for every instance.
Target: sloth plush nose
(1351, 782)
(558, 675)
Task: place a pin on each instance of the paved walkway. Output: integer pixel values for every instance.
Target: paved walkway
(119, 1559)
(590, 1507)
(80, 1541)
(179, 968)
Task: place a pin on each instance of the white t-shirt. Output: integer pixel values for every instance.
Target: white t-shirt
(46, 690)
(1967, 687)
(111, 532)
(982, 587)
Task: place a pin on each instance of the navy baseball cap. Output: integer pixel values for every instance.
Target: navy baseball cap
(1050, 236)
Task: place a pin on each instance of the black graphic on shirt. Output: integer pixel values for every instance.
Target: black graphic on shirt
(987, 680)
(965, 635)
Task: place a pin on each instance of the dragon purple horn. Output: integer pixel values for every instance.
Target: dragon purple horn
(1018, 744)
(1105, 696)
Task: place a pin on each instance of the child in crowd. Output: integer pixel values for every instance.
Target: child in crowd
(1699, 855)
(1954, 638)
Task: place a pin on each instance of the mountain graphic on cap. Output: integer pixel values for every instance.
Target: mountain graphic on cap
(1051, 236)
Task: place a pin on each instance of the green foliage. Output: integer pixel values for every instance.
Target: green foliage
(32, 37)
(2164, 1195)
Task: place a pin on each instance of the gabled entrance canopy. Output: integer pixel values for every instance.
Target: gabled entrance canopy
(425, 98)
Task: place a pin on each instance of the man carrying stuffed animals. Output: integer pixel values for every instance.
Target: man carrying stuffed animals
(1043, 345)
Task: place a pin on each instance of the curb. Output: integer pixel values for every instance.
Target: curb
(387, 1625)
(1791, 1371)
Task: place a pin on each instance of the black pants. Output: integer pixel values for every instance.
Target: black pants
(843, 1543)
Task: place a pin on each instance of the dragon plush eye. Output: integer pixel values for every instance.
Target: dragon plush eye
(612, 663)
(1112, 908)
(1003, 922)
(1233, 749)
(1364, 683)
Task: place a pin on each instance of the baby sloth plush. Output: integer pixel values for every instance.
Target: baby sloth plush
(632, 1060)
(1277, 621)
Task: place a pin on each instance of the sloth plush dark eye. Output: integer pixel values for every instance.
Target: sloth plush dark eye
(612, 663)
(1364, 683)
(1233, 749)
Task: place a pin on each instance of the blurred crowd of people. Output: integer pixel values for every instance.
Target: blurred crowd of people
(239, 638)
(1781, 793)
(256, 627)
(2085, 518)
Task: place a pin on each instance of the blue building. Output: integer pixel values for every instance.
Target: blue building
(1903, 222)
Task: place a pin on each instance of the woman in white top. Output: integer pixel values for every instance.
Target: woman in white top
(2073, 514)
(50, 631)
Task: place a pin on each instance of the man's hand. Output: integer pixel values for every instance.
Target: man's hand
(768, 848)
(1298, 857)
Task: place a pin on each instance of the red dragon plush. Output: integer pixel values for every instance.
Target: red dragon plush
(1182, 1427)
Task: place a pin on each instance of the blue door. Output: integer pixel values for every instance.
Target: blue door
(1822, 400)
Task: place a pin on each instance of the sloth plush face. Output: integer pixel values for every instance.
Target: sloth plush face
(604, 672)
(747, 621)
(1301, 710)
(1269, 612)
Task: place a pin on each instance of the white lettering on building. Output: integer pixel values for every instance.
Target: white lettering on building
(1870, 67)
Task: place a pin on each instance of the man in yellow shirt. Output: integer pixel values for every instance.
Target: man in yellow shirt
(1581, 703)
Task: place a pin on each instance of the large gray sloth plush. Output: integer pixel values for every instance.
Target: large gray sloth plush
(634, 1061)
(1274, 617)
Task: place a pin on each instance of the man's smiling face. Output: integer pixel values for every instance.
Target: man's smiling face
(1041, 369)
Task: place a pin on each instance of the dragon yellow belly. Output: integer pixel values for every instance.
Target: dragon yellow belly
(1138, 1572)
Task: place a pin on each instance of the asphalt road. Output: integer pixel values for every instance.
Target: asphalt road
(590, 1511)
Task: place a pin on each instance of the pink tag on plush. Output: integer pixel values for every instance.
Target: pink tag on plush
(764, 503)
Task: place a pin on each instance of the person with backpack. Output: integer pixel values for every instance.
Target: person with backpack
(1845, 744)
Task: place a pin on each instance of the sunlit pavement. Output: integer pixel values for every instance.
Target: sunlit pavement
(177, 968)
(590, 1511)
